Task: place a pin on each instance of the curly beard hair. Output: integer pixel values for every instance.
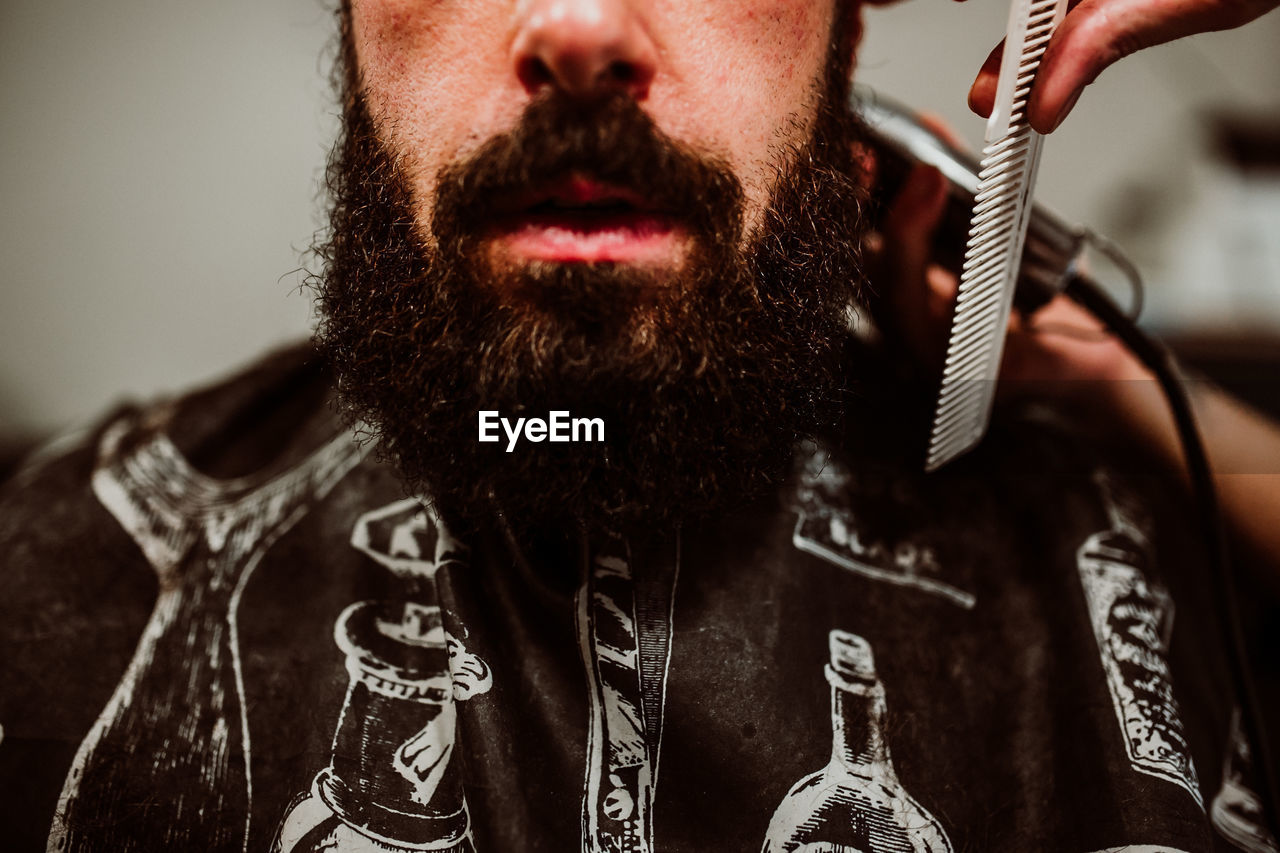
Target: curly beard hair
(705, 377)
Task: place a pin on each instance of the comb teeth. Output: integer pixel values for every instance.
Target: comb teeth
(997, 230)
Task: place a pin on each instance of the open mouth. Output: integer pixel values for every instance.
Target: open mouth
(580, 219)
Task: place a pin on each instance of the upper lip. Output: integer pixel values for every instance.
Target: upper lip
(576, 192)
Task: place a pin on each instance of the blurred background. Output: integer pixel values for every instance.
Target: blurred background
(160, 169)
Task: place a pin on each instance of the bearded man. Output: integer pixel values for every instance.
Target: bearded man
(330, 605)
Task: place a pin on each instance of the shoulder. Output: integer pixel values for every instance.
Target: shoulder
(84, 518)
(106, 532)
(260, 420)
(1036, 489)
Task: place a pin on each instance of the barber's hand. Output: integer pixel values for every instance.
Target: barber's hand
(1096, 33)
(1060, 353)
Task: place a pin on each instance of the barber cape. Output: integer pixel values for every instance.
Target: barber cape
(224, 626)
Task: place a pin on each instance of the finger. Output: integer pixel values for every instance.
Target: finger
(1097, 33)
(943, 286)
(982, 94)
(908, 236)
(914, 215)
(1061, 311)
(939, 127)
(864, 158)
(1025, 364)
(891, 2)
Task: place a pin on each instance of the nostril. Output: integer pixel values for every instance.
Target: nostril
(581, 54)
(621, 72)
(533, 73)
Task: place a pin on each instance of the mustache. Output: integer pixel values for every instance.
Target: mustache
(610, 140)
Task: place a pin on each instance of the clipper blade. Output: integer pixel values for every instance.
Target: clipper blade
(997, 230)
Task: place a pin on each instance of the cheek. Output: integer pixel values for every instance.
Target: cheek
(412, 53)
(764, 63)
(429, 83)
(385, 33)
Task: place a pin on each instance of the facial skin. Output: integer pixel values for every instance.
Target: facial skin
(529, 213)
(734, 79)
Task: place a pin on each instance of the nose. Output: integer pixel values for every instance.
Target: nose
(583, 47)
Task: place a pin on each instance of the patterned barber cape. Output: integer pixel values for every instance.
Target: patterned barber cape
(225, 627)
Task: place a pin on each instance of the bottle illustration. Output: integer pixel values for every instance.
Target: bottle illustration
(856, 802)
(623, 626)
(1236, 811)
(1132, 620)
(390, 784)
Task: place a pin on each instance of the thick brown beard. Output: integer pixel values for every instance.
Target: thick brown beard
(704, 382)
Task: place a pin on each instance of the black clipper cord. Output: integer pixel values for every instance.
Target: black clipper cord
(1049, 266)
(1161, 362)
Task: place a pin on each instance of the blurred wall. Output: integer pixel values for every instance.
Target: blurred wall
(159, 169)
(160, 166)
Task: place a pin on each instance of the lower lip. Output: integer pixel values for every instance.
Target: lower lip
(631, 238)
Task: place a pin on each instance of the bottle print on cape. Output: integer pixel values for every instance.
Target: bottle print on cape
(856, 802)
(624, 630)
(1236, 811)
(1132, 620)
(392, 783)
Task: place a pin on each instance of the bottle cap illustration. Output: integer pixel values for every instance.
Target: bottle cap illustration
(851, 656)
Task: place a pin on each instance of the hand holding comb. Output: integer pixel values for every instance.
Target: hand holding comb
(997, 231)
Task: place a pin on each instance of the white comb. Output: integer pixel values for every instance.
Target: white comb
(1001, 212)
